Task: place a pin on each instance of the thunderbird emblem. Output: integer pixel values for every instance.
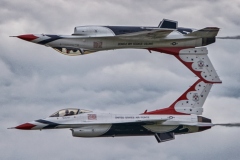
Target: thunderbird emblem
(200, 64)
(195, 97)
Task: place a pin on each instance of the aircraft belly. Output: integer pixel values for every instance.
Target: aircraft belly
(127, 130)
(160, 128)
(141, 130)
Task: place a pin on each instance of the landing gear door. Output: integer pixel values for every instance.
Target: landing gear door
(162, 137)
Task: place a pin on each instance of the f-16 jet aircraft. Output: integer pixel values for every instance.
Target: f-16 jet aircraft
(167, 37)
(180, 118)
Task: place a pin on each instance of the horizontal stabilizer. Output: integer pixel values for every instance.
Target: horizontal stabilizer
(205, 32)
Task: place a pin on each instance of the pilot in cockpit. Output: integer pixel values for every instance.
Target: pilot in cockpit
(66, 112)
(71, 113)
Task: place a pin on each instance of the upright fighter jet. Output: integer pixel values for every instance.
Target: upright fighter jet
(167, 37)
(181, 117)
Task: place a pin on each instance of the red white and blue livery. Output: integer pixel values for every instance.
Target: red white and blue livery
(181, 117)
(167, 37)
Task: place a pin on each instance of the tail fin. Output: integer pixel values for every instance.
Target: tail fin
(205, 32)
(190, 102)
(195, 59)
(169, 24)
(198, 62)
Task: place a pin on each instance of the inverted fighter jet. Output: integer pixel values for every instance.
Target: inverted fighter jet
(179, 118)
(167, 37)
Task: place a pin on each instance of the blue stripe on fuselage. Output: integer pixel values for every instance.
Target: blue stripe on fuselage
(50, 124)
(52, 38)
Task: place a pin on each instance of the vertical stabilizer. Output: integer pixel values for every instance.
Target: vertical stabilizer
(170, 24)
(190, 102)
(195, 59)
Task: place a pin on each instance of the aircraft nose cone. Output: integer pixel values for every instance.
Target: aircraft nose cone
(27, 37)
(25, 126)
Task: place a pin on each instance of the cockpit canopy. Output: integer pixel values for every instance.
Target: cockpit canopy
(69, 112)
(92, 31)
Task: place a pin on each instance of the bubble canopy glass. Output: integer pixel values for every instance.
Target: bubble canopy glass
(69, 112)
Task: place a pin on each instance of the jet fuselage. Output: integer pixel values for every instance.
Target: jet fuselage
(166, 38)
(89, 39)
(90, 124)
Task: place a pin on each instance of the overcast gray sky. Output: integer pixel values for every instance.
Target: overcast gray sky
(36, 81)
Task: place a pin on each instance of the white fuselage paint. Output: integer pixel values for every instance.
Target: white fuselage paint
(105, 39)
(96, 124)
(108, 43)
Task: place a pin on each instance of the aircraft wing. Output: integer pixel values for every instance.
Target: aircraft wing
(144, 122)
(151, 34)
(140, 122)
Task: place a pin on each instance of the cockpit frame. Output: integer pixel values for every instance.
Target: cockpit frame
(69, 112)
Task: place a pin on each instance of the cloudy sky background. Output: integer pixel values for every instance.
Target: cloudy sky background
(36, 81)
